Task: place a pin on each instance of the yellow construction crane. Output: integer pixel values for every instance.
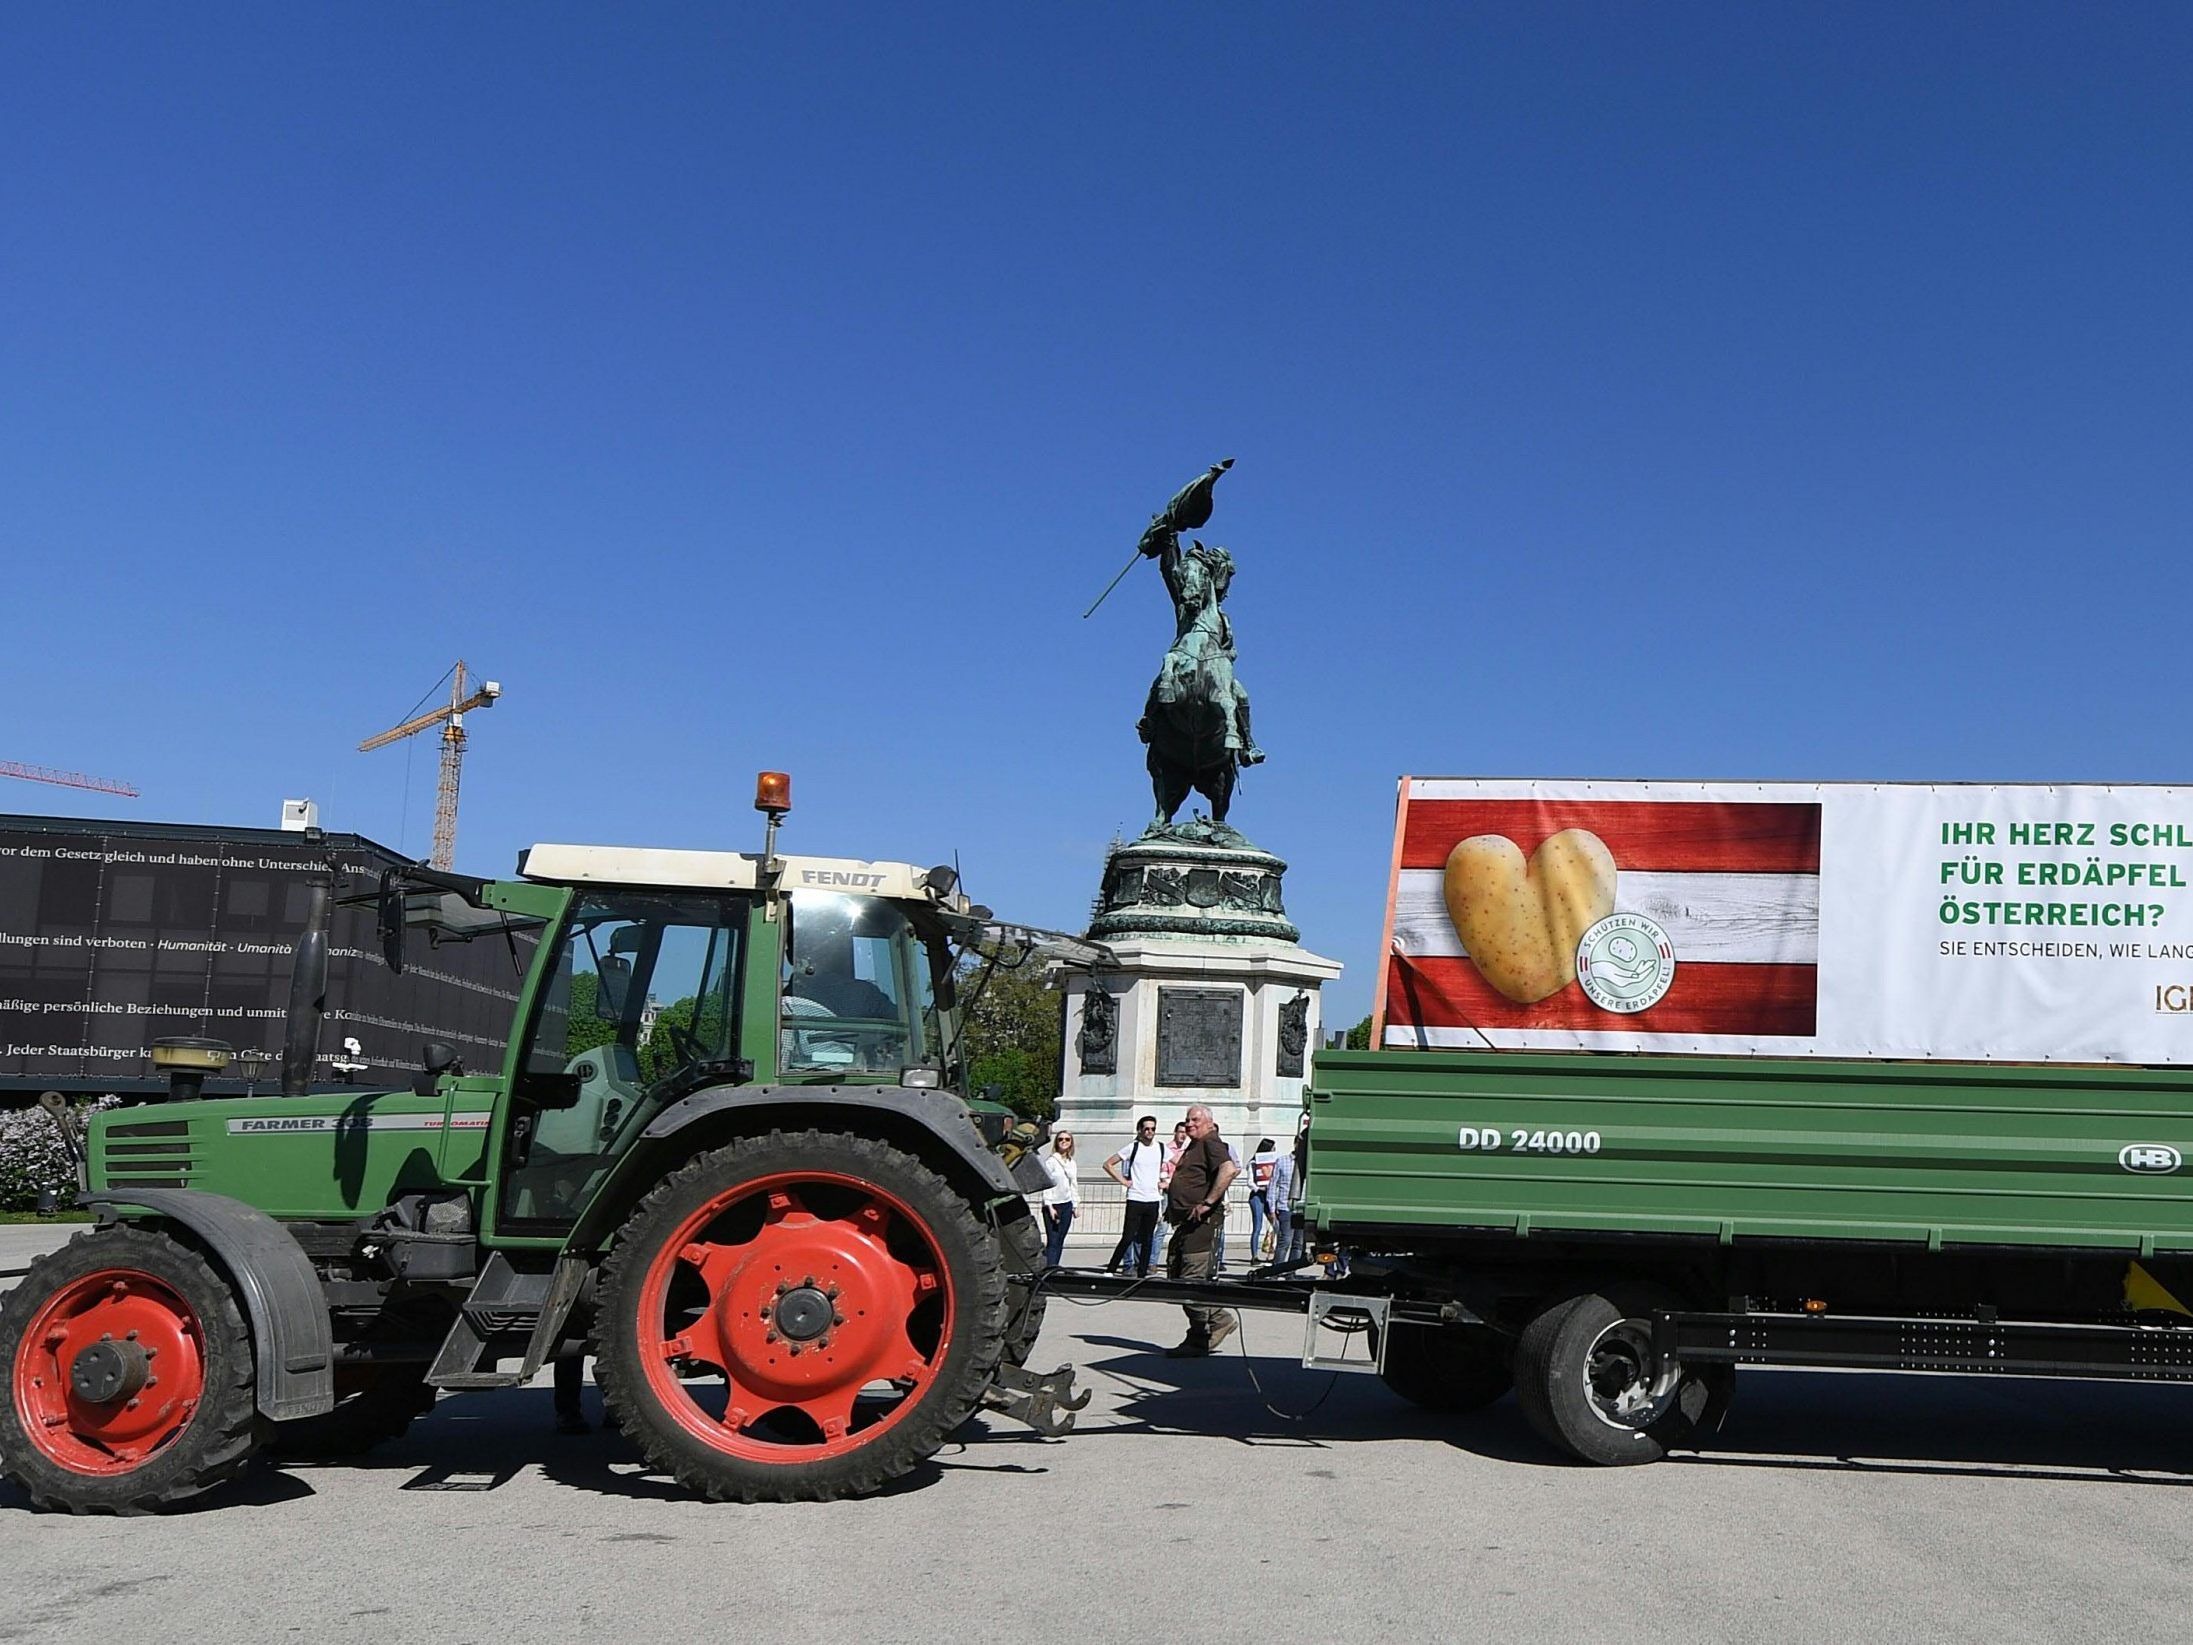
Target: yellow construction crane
(450, 717)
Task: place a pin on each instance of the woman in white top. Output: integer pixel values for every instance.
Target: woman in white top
(1060, 1198)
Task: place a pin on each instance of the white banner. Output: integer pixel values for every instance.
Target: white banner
(2029, 924)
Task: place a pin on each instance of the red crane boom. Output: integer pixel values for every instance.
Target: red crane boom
(66, 779)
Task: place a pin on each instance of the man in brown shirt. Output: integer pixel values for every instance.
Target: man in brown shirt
(1195, 1208)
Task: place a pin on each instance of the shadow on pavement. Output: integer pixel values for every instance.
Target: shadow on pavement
(1886, 1422)
(263, 1487)
(2013, 1427)
(1268, 1399)
(480, 1442)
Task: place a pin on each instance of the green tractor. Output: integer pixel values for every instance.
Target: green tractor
(723, 1154)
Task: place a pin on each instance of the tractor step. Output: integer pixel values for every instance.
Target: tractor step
(505, 1301)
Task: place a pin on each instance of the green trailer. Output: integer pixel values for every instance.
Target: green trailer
(1615, 1143)
(1612, 1236)
(1616, 1234)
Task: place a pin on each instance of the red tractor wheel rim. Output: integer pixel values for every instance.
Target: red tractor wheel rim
(110, 1372)
(822, 1301)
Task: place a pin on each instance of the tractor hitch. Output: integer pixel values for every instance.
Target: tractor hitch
(1046, 1403)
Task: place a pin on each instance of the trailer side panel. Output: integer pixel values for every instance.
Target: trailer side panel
(1731, 1150)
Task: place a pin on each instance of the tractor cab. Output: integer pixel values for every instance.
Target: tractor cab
(665, 973)
(663, 979)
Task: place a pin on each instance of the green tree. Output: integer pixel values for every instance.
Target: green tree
(1359, 1037)
(703, 1025)
(1012, 1037)
(583, 1028)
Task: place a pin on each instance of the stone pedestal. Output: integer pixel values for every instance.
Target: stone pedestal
(1172, 888)
(1211, 999)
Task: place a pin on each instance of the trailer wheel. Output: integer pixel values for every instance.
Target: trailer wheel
(130, 1374)
(1452, 1368)
(798, 1317)
(1590, 1384)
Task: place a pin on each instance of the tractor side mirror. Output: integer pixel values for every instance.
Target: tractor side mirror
(435, 1060)
(613, 986)
(551, 1093)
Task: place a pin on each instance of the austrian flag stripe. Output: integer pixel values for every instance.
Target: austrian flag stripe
(1678, 836)
(1726, 946)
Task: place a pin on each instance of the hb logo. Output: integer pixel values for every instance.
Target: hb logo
(2151, 1158)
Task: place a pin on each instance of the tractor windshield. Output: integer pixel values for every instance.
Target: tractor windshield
(859, 989)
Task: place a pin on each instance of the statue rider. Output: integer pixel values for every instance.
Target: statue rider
(1199, 666)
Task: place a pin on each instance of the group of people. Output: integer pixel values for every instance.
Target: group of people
(1178, 1189)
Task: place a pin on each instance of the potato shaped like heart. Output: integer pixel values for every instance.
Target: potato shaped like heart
(1520, 921)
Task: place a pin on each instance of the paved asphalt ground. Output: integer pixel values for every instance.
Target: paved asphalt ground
(1831, 1508)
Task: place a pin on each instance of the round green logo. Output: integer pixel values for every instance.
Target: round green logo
(1625, 963)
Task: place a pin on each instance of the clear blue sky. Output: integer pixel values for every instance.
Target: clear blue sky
(1744, 391)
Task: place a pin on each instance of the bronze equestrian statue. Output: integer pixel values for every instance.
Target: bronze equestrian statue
(1196, 717)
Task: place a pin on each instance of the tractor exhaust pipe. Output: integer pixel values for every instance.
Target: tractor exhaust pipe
(307, 990)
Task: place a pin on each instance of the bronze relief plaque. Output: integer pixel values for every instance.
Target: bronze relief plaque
(1199, 1037)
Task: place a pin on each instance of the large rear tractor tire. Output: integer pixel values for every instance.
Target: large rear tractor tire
(798, 1317)
(1591, 1385)
(129, 1374)
(1452, 1368)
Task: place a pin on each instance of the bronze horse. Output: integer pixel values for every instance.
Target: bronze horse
(1189, 751)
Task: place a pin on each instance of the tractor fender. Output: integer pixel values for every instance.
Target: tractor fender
(293, 1346)
(939, 1113)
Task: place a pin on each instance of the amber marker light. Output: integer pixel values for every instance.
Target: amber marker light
(773, 792)
(1814, 1305)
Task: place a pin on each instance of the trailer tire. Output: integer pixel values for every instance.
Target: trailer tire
(150, 1326)
(758, 1297)
(1452, 1368)
(1588, 1384)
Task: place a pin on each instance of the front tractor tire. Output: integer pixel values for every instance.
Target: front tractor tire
(798, 1317)
(129, 1371)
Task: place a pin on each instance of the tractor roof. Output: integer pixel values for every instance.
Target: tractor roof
(724, 871)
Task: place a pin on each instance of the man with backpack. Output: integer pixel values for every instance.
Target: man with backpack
(1136, 1168)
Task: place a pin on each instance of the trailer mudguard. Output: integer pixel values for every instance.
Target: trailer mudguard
(940, 1115)
(293, 1347)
